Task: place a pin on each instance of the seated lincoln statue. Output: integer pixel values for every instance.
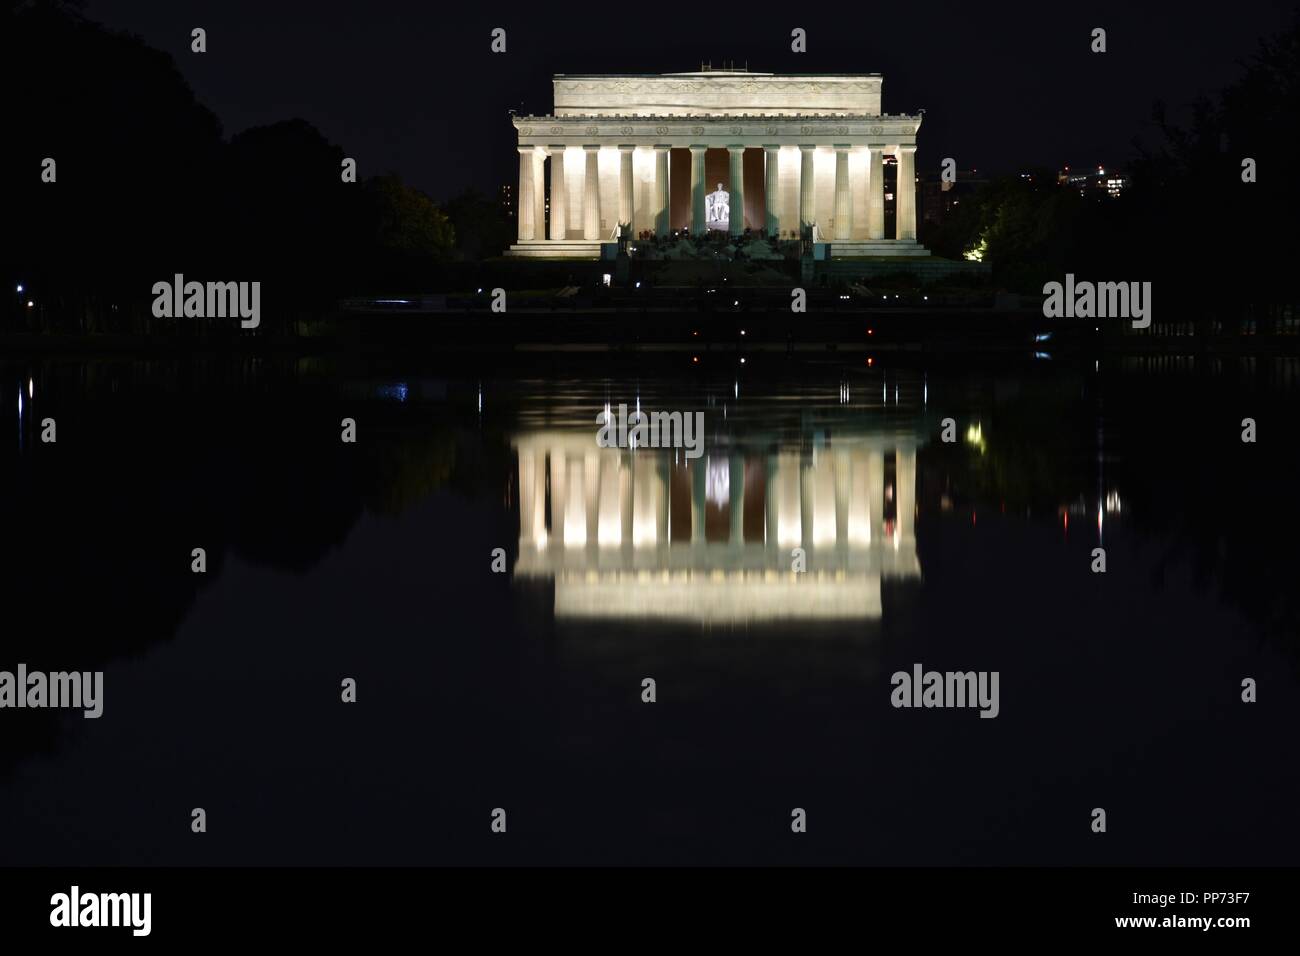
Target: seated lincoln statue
(717, 209)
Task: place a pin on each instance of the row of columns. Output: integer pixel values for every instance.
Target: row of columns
(601, 499)
(532, 191)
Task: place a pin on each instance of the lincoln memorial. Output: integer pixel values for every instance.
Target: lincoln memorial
(771, 152)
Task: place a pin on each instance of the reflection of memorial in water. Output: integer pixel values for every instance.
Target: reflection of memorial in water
(650, 534)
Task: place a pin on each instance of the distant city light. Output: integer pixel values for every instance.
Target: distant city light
(30, 303)
(20, 288)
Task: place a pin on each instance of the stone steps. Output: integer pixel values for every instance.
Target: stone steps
(555, 249)
(871, 248)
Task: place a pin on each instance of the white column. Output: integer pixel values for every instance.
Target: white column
(559, 205)
(525, 208)
(772, 190)
(539, 193)
(697, 191)
(807, 185)
(661, 191)
(625, 185)
(875, 193)
(737, 155)
(843, 196)
(905, 205)
(591, 195)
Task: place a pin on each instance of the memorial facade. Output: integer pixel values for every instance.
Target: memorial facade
(791, 151)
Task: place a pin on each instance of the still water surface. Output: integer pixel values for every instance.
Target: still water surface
(522, 690)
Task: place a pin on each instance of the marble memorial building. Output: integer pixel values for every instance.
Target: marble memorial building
(718, 148)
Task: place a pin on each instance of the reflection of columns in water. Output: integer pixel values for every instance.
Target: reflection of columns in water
(575, 506)
(833, 498)
(770, 522)
(591, 480)
(647, 492)
(663, 470)
(822, 475)
(611, 521)
(736, 489)
(625, 501)
(876, 492)
(840, 457)
(805, 504)
(905, 493)
(860, 508)
(559, 492)
(699, 475)
(532, 497)
(789, 512)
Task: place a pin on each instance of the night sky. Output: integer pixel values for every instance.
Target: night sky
(413, 88)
